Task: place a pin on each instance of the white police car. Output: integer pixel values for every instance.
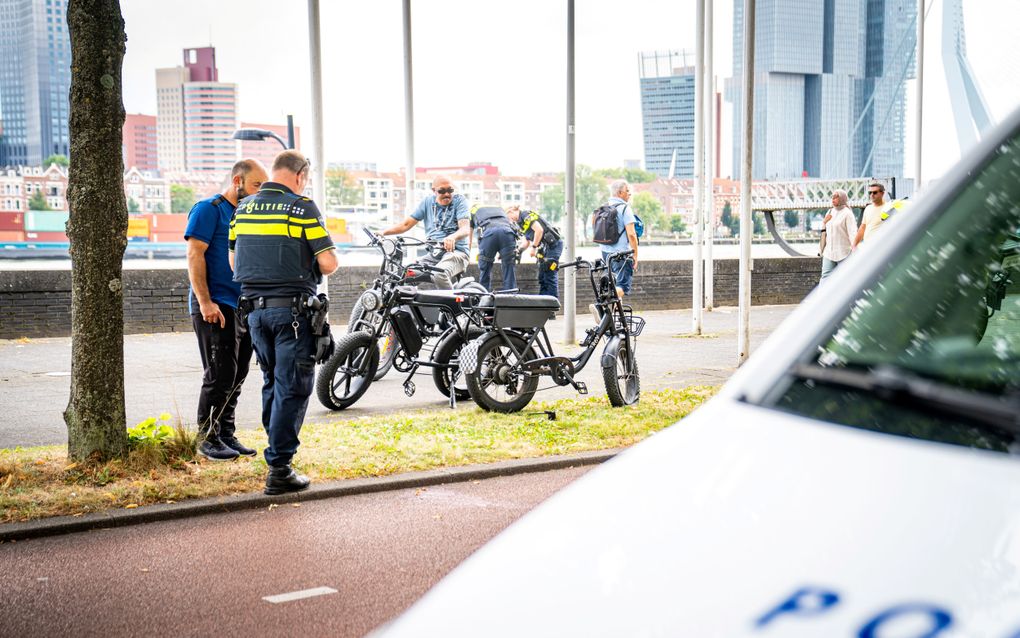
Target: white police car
(859, 476)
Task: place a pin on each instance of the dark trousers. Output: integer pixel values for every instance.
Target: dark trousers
(502, 241)
(548, 283)
(288, 371)
(226, 357)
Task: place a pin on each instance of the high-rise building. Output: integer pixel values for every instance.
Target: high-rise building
(196, 115)
(830, 87)
(35, 77)
(266, 150)
(139, 142)
(667, 111)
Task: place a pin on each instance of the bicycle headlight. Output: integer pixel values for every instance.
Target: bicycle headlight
(389, 247)
(371, 300)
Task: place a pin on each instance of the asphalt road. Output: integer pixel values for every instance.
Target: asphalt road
(210, 575)
(163, 374)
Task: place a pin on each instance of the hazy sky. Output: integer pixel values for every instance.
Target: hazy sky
(490, 77)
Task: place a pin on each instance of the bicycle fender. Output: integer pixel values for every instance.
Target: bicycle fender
(609, 352)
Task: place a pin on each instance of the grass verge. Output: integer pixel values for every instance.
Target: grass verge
(39, 482)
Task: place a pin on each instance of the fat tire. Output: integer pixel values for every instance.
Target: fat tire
(443, 353)
(345, 346)
(385, 361)
(618, 395)
(529, 385)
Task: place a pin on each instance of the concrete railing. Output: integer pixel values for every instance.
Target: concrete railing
(38, 303)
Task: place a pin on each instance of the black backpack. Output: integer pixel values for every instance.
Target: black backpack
(606, 224)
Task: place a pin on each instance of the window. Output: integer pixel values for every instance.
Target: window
(931, 350)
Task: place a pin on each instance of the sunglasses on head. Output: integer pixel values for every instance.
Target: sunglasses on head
(445, 191)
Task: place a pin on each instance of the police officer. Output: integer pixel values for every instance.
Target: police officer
(546, 245)
(497, 236)
(279, 249)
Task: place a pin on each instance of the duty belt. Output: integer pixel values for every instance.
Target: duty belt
(259, 303)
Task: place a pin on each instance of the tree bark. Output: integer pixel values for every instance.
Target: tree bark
(97, 230)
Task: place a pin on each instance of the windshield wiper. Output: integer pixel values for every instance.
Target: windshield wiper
(898, 386)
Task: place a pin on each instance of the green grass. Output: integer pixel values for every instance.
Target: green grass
(39, 482)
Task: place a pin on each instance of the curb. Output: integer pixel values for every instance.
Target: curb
(334, 489)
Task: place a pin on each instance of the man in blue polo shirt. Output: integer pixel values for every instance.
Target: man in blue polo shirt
(223, 339)
(447, 219)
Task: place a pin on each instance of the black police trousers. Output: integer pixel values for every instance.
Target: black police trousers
(226, 357)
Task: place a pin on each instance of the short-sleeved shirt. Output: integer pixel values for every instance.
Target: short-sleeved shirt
(872, 219)
(526, 223)
(624, 216)
(441, 221)
(275, 236)
(209, 222)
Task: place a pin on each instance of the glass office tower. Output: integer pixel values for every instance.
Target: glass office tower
(830, 87)
(35, 77)
(667, 111)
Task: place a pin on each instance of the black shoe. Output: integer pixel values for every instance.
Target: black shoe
(281, 480)
(235, 445)
(213, 449)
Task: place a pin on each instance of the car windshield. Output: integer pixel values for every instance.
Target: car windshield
(932, 349)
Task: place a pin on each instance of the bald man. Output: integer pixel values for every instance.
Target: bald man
(447, 219)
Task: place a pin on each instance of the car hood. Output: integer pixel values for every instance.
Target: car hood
(747, 521)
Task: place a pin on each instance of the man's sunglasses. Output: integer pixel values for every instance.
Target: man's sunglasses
(874, 192)
(445, 191)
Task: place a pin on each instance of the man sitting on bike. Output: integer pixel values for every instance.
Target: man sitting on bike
(447, 220)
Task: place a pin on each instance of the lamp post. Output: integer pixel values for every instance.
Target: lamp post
(257, 135)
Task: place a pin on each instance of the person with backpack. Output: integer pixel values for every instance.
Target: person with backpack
(614, 225)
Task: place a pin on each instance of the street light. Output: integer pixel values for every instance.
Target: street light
(257, 135)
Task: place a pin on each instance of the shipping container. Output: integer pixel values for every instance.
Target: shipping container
(138, 226)
(45, 236)
(46, 221)
(336, 226)
(12, 235)
(168, 222)
(167, 237)
(12, 222)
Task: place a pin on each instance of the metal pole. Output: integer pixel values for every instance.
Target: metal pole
(318, 154)
(408, 114)
(710, 137)
(920, 90)
(570, 194)
(290, 131)
(744, 286)
(697, 274)
(315, 57)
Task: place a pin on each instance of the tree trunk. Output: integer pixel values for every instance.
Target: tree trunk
(97, 230)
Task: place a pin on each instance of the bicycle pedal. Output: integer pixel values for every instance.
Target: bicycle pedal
(409, 388)
(582, 388)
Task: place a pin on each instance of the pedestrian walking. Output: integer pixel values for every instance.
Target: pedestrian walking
(840, 228)
(614, 226)
(280, 249)
(223, 339)
(873, 216)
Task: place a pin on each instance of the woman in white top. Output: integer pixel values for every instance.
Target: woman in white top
(840, 230)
